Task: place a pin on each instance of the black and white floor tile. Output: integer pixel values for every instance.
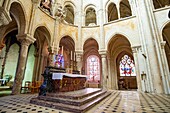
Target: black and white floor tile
(117, 102)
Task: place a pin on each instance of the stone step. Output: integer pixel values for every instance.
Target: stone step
(69, 101)
(79, 94)
(70, 108)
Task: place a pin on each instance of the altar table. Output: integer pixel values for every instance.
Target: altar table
(64, 82)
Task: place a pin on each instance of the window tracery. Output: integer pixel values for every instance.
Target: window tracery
(127, 66)
(93, 68)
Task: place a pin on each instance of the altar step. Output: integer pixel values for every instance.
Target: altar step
(76, 101)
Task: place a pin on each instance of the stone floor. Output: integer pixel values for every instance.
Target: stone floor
(117, 102)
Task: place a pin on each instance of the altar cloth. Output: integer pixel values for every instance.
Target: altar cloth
(60, 75)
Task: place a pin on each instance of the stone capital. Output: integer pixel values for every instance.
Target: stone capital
(163, 43)
(135, 49)
(79, 52)
(103, 53)
(25, 39)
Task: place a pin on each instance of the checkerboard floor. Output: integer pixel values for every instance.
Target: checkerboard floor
(117, 102)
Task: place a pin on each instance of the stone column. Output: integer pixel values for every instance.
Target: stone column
(79, 61)
(41, 67)
(102, 38)
(25, 40)
(35, 72)
(104, 70)
(79, 20)
(109, 73)
(166, 76)
(135, 55)
(148, 40)
(118, 10)
(35, 4)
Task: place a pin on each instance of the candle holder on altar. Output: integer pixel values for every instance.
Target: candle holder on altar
(71, 66)
(75, 65)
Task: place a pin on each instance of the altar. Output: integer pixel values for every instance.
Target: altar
(64, 82)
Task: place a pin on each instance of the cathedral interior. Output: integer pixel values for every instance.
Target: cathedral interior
(121, 47)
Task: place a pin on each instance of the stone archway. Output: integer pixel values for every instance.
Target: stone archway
(125, 9)
(43, 37)
(166, 37)
(90, 50)
(9, 38)
(67, 50)
(117, 48)
(112, 12)
(166, 54)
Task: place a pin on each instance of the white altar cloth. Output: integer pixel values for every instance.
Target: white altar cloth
(60, 75)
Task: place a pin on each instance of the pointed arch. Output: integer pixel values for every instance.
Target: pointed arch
(160, 3)
(70, 12)
(112, 12)
(125, 9)
(90, 18)
(17, 11)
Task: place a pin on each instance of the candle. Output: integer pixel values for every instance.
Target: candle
(62, 50)
(71, 55)
(74, 56)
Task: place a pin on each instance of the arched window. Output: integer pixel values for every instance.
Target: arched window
(160, 3)
(127, 66)
(112, 12)
(70, 14)
(93, 68)
(90, 17)
(125, 9)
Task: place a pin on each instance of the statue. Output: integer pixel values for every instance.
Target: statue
(60, 12)
(46, 4)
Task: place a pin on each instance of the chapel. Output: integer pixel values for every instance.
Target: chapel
(117, 44)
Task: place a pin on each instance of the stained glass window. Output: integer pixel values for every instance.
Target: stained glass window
(93, 68)
(127, 66)
(59, 60)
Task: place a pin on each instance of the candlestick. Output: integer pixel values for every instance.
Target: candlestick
(74, 56)
(62, 50)
(71, 55)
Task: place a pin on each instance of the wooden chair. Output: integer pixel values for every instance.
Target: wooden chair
(26, 87)
(35, 86)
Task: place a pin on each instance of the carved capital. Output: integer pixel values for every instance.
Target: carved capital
(163, 43)
(103, 53)
(25, 39)
(136, 49)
